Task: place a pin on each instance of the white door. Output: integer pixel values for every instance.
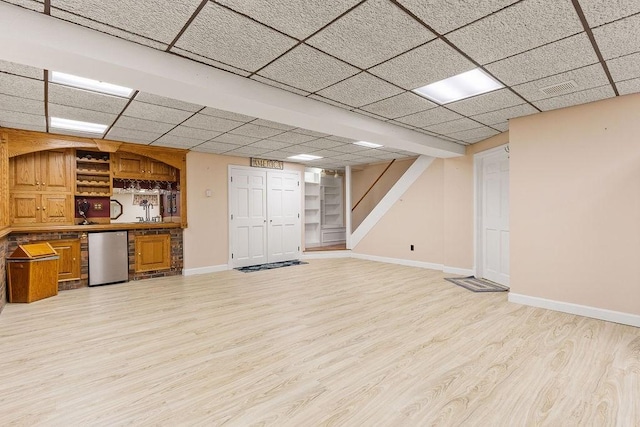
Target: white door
(283, 213)
(248, 217)
(495, 217)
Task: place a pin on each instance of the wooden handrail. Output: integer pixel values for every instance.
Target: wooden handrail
(372, 185)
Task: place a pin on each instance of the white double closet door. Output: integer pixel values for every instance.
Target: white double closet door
(264, 216)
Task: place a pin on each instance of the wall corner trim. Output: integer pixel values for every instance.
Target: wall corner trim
(577, 309)
(393, 195)
(326, 254)
(205, 270)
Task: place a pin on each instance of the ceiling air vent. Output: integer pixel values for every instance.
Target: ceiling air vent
(560, 88)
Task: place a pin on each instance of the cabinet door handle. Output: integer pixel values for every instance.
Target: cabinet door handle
(43, 184)
(44, 208)
(37, 208)
(37, 182)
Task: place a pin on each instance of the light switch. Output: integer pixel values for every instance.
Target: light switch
(207, 192)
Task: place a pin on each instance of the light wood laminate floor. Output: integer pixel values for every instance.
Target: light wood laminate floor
(335, 342)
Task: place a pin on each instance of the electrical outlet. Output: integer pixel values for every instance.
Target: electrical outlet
(412, 247)
(97, 206)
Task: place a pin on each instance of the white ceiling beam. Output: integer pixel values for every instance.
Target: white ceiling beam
(38, 40)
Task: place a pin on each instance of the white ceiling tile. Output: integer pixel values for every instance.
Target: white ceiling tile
(156, 113)
(270, 145)
(474, 135)
(270, 124)
(491, 101)
(502, 127)
(500, 116)
(157, 20)
(207, 150)
(341, 139)
(279, 85)
(399, 105)
(21, 105)
(228, 138)
(228, 37)
(297, 149)
(322, 153)
(371, 33)
(360, 90)
(628, 86)
(150, 98)
(307, 68)
(21, 86)
(575, 98)
(429, 117)
(143, 125)
(449, 15)
(248, 151)
(209, 111)
(625, 67)
(201, 121)
(416, 68)
(299, 19)
(21, 118)
(73, 97)
(177, 141)
(193, 133)
(132, 135)
(310, 132)
(22, 126)
(255, 131)
(564, 55)
(171, 144)
(585, 77)
(619, 38)
(219, 147)
(600, 12)
(103, 28)
(293, 137)
(21, 70)
(368, 114)
(350, 148)
(277, 155)
(321, 143)
(217, 64)
(454, 126)
(522, 26)
(330, 101)
(81, 114)
(37, 5)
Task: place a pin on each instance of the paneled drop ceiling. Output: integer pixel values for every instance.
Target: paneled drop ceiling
(362, 56)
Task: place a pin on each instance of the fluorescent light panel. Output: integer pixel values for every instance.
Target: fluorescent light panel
(77, 126)
(89, 84)
(304, 157)
(368, 144)
(461, 86)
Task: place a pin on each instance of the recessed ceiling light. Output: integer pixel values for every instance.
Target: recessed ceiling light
(89, 84)
(74, 125)
(304, 157)
(367, 144)
(465, 85)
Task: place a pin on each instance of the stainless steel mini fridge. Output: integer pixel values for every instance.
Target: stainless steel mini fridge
(108, 258)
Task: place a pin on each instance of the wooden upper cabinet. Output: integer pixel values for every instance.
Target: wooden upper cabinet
(42, 171)
(28, 208)
(135, 166)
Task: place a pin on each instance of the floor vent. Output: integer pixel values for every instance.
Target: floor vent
(560, 88)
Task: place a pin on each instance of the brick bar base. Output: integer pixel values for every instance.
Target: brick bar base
(11, 242)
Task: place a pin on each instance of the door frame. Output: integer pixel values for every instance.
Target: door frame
(266, 170)
(478, 161)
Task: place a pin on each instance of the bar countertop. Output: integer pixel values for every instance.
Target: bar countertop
(95, 227)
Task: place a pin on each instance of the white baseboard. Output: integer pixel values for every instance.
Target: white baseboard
(460, 271)
(325, 254)
(205, 270)
(406, 262)
(580, 310)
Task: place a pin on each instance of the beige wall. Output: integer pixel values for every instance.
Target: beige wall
(362, 179)
(435, 215)
(575, 205)
(206, 240)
